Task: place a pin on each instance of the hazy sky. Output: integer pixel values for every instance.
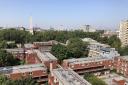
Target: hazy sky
(99, 13)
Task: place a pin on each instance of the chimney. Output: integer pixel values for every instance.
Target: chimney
(51, 66)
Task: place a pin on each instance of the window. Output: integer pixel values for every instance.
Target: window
(101, 62)
(82, 65)
(30, 73)
(72, 66)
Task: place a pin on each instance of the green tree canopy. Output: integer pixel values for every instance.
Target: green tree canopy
(93, 79)
(123, 51)
(28, 81)
(115, 42)
(7, 59)
(77, 47)
(61, 52)
(3, 44)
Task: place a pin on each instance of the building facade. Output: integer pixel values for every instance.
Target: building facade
(121, 65)
(97, 49)
(97, 65)
(44, 46)
(88, 28)
(62, 76)
(36, 71)
(18, 53)
(123, 33)
(46, 58)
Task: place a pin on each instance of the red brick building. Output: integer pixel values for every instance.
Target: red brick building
(119, 81)
(44, 46)
(19, 53)
(29, 46)
(46, 58)
(39, 53)
(97, 65)
(36, 71)
(62, 76)
(31, 57)
(121, 65)
(26, 55)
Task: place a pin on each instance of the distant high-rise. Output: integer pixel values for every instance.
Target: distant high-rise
(31, 26)
(123, 33)
(88, 28)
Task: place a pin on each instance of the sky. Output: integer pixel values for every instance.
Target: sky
(98, 13)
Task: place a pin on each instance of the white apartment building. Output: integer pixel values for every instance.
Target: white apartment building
(102, 50)
(98, 49)
(123, 33)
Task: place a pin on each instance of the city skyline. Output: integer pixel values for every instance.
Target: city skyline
(46, 13)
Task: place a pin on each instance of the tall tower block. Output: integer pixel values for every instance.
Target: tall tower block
(30, 26)
(123, 33)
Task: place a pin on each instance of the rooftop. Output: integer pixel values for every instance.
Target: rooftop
(94, 42)
(15, 50)
(43, 43)
(124, 57)
(107, 49)
(22, 68)
(69, 77)
(100, 45)
(28, 45)
(90, 40)
(45, 56)
(86, 60)
(29, 51)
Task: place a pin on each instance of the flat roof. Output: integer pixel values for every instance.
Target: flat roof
(44, 43)
(45, 56)
(105, 49)
(86, 60)
(69, 77)
(28, 45)
(100, 44)
(22, 68)
(15, 50)
(124, 57)
(90, 40)
(29, 51)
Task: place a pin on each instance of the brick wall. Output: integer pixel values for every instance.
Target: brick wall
(106, 63)
(38, 73)
(121, 66)
(54, 63)
(31, 59)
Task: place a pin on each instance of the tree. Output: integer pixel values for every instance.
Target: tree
(123, 51)
(7, 59)
(60, 51)
(77, 47)
(25, 81)
(93, 79)
(115, 42)
(3, 44)
(11, 45)
(103, 40)
(21, 36)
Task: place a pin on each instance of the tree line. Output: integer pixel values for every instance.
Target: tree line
(21, 36)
